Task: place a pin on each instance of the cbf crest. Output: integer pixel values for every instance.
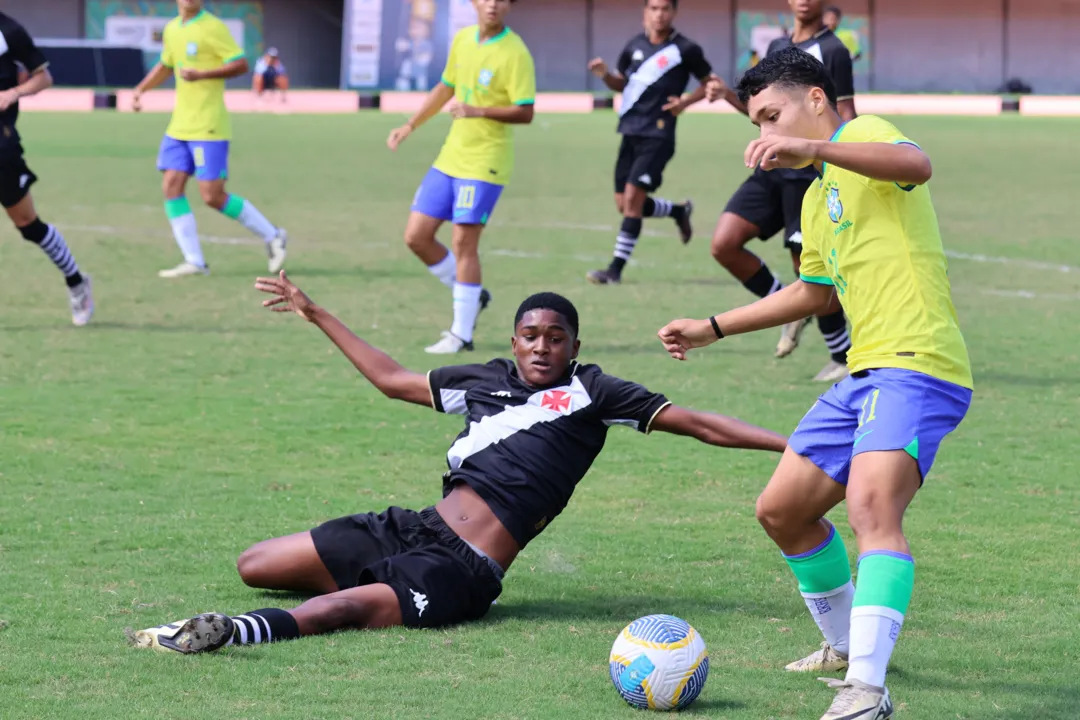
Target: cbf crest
(192, 49)
(833, 203)
(485, 78)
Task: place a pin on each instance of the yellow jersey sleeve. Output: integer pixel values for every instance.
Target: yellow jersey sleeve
(168, 54)
(449, 76)
(522, 84)
(872, 129)
(811, 266)
(222, 43)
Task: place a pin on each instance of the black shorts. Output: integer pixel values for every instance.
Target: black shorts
(773, 202)
(641, 162)
(439, 579)
(15, 177)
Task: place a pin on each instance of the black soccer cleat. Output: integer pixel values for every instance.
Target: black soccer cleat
(485, 298)
(686, 229)
(200, 634)
(603, 277)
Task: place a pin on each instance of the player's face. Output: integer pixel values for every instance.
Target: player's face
(659, 14)
(790, 112)
(831, 20)
(189, 7)
(806, 10)
(543, 345)
(492, 12)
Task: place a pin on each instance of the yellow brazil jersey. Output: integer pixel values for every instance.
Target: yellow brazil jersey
(202, 43)
(878, 243)
(498, 72)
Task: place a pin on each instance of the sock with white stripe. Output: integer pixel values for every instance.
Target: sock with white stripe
(466, 308)
(445, 269)
(51, 242)
(263, 626)
(834, 328)
(249, 216)
(882, 596)
(185, 230)
(824, 576)
(625, 243)
(763, 283)
(660, 208)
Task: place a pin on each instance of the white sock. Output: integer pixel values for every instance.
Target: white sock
(874, 630)
(832, 613)
(445, 269)
(256, 222)
(466, 308)
(187, 237)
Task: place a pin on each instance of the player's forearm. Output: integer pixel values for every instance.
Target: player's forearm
(890, 162)
(236, 68)
(435, 101)
(732, 98)
(155, 77)
(38, 81)
(795, 302)
(511, 115)
(729, 432)
(693, 98)
(614, 82)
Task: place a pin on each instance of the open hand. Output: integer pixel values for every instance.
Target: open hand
(681, 336)
(674, 105)
(287, 297)
(598, 67)
(8, 98)
(398, 135)
(715, 89)
(777, 151)
(461, 110)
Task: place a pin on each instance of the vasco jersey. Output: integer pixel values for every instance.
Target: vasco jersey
(524, 450)
(878, 243)
(202, 43)
(653, 74)
(832, 53)
(16, 48)
(498, 72)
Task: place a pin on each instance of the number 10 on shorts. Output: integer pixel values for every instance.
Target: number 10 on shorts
(466, 197)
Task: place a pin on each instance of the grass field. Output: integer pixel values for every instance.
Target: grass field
(140, 455)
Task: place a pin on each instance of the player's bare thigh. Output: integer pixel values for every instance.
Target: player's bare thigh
(881, 485)
(791, 506)
(23, 212)
(173, 183)
(367, 607)
(286, 563)
(420, 237)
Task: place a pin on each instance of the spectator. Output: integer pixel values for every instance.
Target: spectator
(850, 38)
(270, 74)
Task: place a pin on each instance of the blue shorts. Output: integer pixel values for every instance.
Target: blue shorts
(465, 202)
(205, 159)
(873, 410)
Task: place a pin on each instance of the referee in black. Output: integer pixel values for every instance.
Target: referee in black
(771, 201)
(652, 73)
(24, 72)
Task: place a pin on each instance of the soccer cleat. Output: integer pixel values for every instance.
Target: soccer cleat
(824, 660)
(857, 701)
(82, 302)
(449, 345)
(485, 298)
(832, 373)
(790, 336)
(686, 229)
(275, 249)
(203, 633)
(603, 277)
(183, 270)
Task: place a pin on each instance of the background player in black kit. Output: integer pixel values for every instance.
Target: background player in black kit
(652, 74)
(771, 201)
(23, 72)
(534, 426)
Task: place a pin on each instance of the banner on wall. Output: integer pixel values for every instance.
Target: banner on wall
(399, 44)
(755, 30)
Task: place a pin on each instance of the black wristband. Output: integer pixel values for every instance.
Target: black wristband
(716, 328)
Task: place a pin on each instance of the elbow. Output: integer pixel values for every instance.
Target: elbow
(924, 171)
(46, 79)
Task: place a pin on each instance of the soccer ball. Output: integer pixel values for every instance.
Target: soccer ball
(659, 662)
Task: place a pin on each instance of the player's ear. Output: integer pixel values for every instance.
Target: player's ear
(818, 100)
(577, 349)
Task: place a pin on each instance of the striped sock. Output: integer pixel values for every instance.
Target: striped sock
(834, 329)
(763, 283)
(660, 208)
(51, 242)
(263, 626)
(625, 244)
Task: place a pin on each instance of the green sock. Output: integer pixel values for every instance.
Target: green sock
(824, 576)
(885, 584)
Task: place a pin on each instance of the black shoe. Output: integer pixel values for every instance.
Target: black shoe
(485, 298)
(603, 277)
(686, 230)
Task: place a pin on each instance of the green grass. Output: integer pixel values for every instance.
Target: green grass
(139, 456)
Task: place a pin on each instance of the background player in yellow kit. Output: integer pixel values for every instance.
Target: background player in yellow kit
(870, 234)
(200, 51)
(490, 76)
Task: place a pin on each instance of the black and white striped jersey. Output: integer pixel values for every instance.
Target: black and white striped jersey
(16, 48)
(524, 449)
(653, 74)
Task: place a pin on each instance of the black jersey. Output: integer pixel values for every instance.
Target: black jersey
(524, 449)
(653, 74)
(16, 48)
(832, 53)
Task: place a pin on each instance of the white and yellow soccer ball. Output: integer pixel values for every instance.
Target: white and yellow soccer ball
(659, 662)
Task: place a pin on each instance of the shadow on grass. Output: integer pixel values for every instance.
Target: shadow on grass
(1023, 700)
(711, 705)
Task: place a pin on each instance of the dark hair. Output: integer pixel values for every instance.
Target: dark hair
(674, 4)
(549, 301)
(834, 10)
(788, 68)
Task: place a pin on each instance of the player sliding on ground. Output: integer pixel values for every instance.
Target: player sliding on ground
(490, 77)
(870, 235)
(534, 426)
(198, 48)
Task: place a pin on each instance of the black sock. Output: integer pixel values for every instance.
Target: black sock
(763, 283)
(262, 626)
(51, 242)
(834, 329)
(625, 243)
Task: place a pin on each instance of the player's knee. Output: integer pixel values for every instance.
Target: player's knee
(783, 522)
(723, 246)
(35, 231)
(619, 204)
(466, 245)
(866, 516)
(214, 197)
(417, 240)
(254, 567)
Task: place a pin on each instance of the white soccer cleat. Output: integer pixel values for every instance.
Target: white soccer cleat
(449, 345)
(275, 249)
(857, 701)
(81, 298)
(790, 335)
(824, 660)
(203, 633)
(184, 269)
(832, 373)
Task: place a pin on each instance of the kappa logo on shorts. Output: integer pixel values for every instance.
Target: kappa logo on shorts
(23, 179)
(420, 601)
(646, 179)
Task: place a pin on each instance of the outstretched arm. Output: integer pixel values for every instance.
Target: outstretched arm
(901, 163)
(433, 103)
(381, 370)
(232, 69)
(717, 430)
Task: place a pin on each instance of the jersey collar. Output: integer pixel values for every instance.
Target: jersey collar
(493, 38)
(834, 138)
(185, 23)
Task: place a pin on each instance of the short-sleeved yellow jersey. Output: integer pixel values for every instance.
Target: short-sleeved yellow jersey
(878, 243)
(498, 72)
(202, 43)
